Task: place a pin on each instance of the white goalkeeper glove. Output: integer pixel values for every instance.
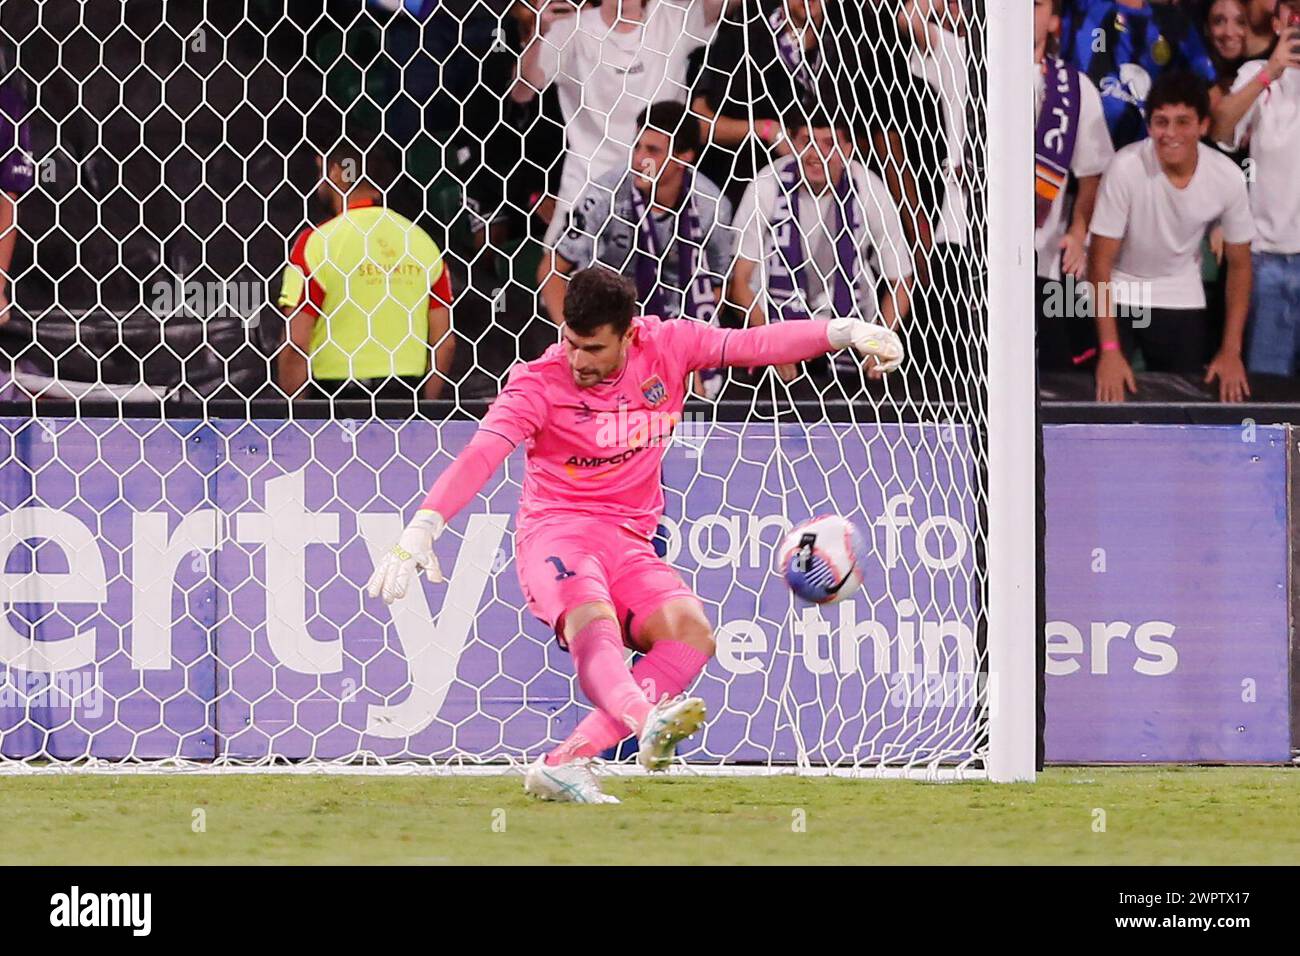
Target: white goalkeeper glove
(414, 550)
(870, 340)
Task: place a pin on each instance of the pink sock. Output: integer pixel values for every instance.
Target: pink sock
(595, 734)
(597, 652)
(669, 668)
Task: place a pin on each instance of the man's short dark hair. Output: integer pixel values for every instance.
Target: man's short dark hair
(1179, 88)
(797, 120)
(374, 166)
(599, 296)
(674, 119)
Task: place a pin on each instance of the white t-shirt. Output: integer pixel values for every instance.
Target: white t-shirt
(944, 67)
(605, 78)
(1162, 227)
(1092, 154)
(1273, 124)
(881, 240)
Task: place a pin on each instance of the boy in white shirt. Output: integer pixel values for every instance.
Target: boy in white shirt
(1157, 201)
(811, 226)
(1263, 112)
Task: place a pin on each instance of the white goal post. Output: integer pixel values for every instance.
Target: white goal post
(184, 529)
(1012, 395)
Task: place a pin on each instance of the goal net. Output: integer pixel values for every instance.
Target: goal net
(194, 492)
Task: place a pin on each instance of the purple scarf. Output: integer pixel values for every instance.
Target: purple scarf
(787, 283)
(1055, 135)
(792, 52)
(699, 301)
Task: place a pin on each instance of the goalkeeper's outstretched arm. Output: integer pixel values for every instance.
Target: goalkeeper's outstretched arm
(784, 343)
(454, 489)
(516, 415)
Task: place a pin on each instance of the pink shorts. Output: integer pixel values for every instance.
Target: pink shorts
(567, 564)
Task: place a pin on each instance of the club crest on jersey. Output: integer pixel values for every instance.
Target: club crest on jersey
(654, 390)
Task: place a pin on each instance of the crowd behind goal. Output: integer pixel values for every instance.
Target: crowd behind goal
(744, 161)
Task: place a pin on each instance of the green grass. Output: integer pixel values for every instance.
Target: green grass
(1152, 816)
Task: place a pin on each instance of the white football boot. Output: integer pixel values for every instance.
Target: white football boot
(667, 724)
(571, 782)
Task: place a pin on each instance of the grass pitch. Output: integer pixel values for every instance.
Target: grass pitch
(1150, 816)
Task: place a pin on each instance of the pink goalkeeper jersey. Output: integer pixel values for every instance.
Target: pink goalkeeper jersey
(597, 451)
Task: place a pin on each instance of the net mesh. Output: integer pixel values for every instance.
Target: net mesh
(183, 542)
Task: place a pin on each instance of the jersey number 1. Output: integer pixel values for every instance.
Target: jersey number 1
(563, 572)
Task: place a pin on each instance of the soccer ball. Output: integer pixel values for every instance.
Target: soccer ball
(821, 559)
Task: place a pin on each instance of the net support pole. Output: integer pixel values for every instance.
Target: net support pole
(1011, 438)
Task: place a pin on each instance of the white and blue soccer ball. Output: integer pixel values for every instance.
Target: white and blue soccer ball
(822, 559)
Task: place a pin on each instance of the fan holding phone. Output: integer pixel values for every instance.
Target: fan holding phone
(1262, 113)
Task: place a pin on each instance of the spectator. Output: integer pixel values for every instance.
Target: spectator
(1157, 201)
(777, 56)
(906, 123)
(1124, 46)
(933, 31)
(937, 55)
(1071, 139)
(1263, 110)
(16, 176)
(516, 150)
(662, 224)
(1260, 36)
(366, 293)
(1226, 29)
(609, 63)
(811, 224)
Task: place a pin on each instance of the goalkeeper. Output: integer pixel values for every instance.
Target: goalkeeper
(595, 413)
